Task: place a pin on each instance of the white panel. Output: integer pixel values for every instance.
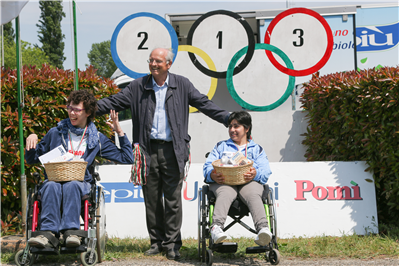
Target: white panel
(183, 66)
(260, 83)
(290, 181)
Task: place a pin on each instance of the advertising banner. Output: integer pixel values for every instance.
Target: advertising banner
(377, 37)
(312, 199)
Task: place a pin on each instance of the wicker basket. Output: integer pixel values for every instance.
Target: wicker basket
(66, 171)
(233, 175)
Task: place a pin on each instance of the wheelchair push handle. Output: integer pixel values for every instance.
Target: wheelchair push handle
(97, 176)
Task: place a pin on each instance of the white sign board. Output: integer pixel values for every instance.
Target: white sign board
(313, 199)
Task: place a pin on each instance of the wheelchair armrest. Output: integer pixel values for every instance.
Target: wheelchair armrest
(265, 194)
(211, 196)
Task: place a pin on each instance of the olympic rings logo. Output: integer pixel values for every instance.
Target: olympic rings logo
(247, 52)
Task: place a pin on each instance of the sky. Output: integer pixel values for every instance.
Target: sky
(97, 20)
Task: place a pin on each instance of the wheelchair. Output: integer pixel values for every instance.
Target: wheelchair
(93, 229)
(206, 204)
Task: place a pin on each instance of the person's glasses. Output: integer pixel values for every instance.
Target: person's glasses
(76, 110)
(150, 61)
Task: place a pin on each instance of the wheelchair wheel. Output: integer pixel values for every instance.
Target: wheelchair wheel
(85, 258)
(101, 233)
(273, 214)
(30, 258)
(28, 215)
(201, 225)
(209, 257)
(274, 257)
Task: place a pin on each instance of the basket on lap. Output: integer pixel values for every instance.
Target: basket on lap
(233, 175)
(66, 171)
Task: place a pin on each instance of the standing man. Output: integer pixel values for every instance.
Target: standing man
(159, 104)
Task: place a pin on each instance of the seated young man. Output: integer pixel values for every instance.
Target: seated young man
(79, 136)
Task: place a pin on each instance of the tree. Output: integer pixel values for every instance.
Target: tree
(100, 57)
(50, 34)
(30, 55)
(8, 32)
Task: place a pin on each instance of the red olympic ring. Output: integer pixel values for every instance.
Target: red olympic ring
(323, 60)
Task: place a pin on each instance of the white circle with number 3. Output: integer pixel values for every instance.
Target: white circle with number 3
(302, 38)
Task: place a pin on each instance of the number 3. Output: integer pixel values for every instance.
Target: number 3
(299, 36)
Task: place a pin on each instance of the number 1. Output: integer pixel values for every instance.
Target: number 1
(219, 35)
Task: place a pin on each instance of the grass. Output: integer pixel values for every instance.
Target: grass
(383, 245)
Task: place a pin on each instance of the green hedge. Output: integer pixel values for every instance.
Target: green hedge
(45, 94)
(355, 116)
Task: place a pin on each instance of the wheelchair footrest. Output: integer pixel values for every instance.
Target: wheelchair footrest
(44, 251)
(73, 250)
(258, 249)
(225, 247)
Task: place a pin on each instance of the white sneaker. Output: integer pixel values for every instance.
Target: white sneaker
(264, 236)
(73, 241)
(217, 234)
(40, 241)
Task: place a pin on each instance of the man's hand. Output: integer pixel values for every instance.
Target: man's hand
(31, 142)
(115, 123)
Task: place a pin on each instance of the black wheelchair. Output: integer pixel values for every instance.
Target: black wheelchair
(93, 229)
(206, 204)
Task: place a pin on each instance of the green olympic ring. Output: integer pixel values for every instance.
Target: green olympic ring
(237, 98)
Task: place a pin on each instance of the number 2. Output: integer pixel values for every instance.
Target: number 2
(144, 40)
(299, 36)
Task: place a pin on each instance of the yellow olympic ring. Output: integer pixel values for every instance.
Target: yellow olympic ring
(209, 62)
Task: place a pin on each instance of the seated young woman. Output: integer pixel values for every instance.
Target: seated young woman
(79, 136)
(240, 125)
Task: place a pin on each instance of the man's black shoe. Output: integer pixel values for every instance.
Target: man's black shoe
(152, 251)
(173, 254)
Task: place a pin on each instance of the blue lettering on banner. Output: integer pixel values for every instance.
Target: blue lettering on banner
(377, 38)
(122, 192)
(274, 190)
(125, 192)
(195, 191)
(343, 45)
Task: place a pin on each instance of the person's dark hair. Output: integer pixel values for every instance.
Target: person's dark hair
(88, 99)
(243, 118)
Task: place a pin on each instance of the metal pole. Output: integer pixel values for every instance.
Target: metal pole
(354, 41)
(76, 46)
(20, 128)
(2, 45)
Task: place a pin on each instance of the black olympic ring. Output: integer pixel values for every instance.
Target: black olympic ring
(244, 62)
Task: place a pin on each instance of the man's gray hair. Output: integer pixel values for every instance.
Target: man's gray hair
(169, 55)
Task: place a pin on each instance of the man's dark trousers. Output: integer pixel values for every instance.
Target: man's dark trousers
(164, 215)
